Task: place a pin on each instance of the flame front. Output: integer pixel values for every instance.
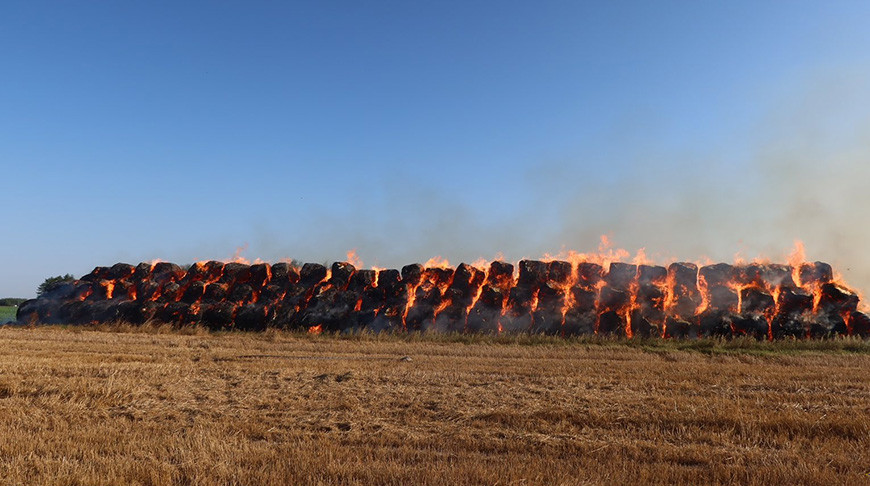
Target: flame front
(571, 293)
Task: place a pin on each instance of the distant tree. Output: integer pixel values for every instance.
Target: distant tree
(8, 301)
(52, 283)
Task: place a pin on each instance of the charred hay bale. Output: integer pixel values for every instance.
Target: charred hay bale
(235, 273)
(271, 294)
(82, 290)
(341, 274)
(251, 317)
(718, 275)
(372, 299)
(74, 312)
(722, 298)
(215, 292)
(613, 299)
(312, 274)
(241, 294)
(260, 273)
(620, 275)
(165, 272)
(120, 271)
(364, 318)
(28, 311)
(106, 311)
(517, 316)
(331, 309)
(172, 313)
(394, 290)
(483, 320)
(171, 292)
(547, 318)
(684, 275)
(794, 301)
(492, 297)
(219, 315)
(100, 290)
(285, 315)
(451, 319)
(641, 327)
(650, 297)
(559, 271)
(463, 276)
(389, 319)
(412, 273)
(651, 275)
(283, 274)
(486, 312)
(716, 322)
(684, 303)
(421, 315)
(123, 290)
(611, 323)
(815, 273)
(142, 271)
(755, 300)
(429, 295)
(547, 321)
(193, 292)
(192, 315)
(533, 273)
(138, 312)
(791, 325)
(166, 267)
(127, 310)
(750, 274)
(859, 324)
(827, 325)
(754, 325)
(500, 275)
(677, 328)
(361, 280)
(581, 316)
(579, 322)
(439, 276)
(465, 282)
(196, 272)
(584, 299)
(835, 299)
(513, 322)
(520, 299)
(97, 274)
(589, 274)
(61, 291)
(147, 290)
(777, 275)
(551, 297)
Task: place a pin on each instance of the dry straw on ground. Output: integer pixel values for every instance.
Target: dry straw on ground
(92, 407)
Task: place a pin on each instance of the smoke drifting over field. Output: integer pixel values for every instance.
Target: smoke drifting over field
(799, 174)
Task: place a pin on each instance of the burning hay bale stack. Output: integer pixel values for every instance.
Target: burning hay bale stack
(682, 300)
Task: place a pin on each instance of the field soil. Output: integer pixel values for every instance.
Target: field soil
(93, 407)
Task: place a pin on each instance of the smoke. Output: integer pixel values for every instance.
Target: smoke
(803, 176)
(798, 173)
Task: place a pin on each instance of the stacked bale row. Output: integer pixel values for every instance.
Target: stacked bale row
(554, 297)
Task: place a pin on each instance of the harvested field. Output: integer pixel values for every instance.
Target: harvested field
(91, 407)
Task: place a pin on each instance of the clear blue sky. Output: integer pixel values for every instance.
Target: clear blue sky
(181, 130)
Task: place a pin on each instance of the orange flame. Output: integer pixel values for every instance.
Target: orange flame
(354, 259)
(437, 262)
